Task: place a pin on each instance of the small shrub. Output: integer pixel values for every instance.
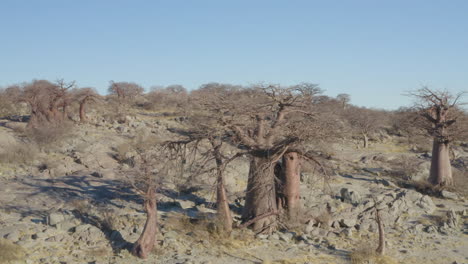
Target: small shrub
(18, 153)
(46, 136)
(367, 255)
(460, 182)
(10, 252)
(108, 220)
(324, 219)
(81, 206)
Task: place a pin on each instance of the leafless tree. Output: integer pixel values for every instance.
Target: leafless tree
(150, 167)
(441, 115)
(83, 96)
(344, 99)
(171, 97)
(125, 90)
(363, 122)
(9, 97)
(46, 100)
(266, 121)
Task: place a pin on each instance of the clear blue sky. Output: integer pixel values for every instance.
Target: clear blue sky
(373, 50)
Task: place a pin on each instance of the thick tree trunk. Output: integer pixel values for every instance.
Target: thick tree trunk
(292, 181)
(365, 140)
(441, 170)
(224, 213)
(145, 243)
(222, 205)
(261, 195)
(82, 112)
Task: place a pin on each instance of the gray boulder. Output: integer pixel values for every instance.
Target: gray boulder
(350, 196)
(449, 195)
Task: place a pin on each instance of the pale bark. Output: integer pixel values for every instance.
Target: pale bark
(441, 170)
(365, 140)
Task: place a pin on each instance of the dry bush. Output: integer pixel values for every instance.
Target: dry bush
(10, 253)
(48, 136)
(324, 219)
(460, 181)
(81, 206)
(170, 98)
(18, 153)
(423, 187)
(123, 153)
(437, 220)
(209, 229)
(404, 168)
(98, 252)
(366, 255)
(109, 220)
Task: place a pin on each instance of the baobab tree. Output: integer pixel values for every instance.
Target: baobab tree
(205, 125)
(125, 90)
(83, 96)
(363, 122)
(150, 166)
(440, 119)
(46, 100)
(266, 121)
(172, 97)
(344, 99)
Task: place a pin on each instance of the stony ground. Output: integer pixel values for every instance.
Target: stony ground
(71, 204)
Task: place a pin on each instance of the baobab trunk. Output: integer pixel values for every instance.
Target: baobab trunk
(82, 112)
(145, 243)
(291, 184)
(365, 140)
(441, 170)
(224, 213)
(261, 197)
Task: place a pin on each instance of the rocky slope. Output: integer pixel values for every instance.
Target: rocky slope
(71, 204)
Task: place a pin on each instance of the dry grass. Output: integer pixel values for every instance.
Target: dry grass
(122, 153)
(10, 252)
(210, 230)
(98, 252)
(367, 255)
(109, 220)
(324, 219)
(48, 136)
(437, 220)
(460, 182)
(18, 153)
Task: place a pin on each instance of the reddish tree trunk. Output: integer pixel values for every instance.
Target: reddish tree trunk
(145, 243)
(441, 170)
(222, 205)
(224, 213)
(82, 111)
(381, 248)
(261, 196)
(291, 184)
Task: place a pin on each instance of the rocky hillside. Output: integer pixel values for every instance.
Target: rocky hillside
(69, 201)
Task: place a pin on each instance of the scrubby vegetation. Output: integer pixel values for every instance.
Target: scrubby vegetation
(227, 168)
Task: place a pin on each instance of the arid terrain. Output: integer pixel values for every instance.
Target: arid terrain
(70, 202)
